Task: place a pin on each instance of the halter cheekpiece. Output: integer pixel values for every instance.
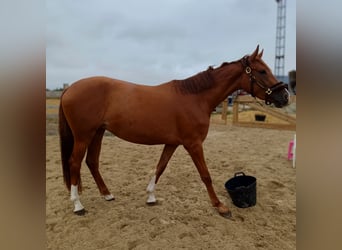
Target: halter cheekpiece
(268, 90)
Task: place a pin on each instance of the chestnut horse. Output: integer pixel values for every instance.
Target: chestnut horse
(173, 113)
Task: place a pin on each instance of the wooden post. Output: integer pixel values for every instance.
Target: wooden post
(235, 112)
(224, 111)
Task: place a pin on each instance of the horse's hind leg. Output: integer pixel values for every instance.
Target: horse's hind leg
(75, 178)
(164, 159)
(92, 161)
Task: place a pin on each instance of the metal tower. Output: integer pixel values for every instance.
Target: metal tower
(279, 65)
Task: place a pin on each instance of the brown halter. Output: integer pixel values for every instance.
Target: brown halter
(269, 91)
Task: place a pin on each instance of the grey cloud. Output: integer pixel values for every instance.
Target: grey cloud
(154, 41)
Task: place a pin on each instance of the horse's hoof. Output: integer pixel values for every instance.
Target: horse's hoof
(151, 200)
(152, 203)
(109, 197)
(80, 212)
(227, 215)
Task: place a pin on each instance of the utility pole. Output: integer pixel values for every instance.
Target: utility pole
(279, 65)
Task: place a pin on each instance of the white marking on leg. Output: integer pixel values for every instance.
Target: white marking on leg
(151, 185)
(74, 193)
(150, 191)
(75, 198)
(108, 197)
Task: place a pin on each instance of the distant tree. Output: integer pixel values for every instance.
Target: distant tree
(58, 89)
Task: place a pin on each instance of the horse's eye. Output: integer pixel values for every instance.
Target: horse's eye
(263, 72)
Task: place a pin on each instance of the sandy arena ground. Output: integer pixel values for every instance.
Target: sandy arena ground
(183, 218)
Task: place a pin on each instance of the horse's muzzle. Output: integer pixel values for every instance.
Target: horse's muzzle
(280, 98)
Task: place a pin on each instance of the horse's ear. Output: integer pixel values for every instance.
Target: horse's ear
(260, 54)
(255, 53)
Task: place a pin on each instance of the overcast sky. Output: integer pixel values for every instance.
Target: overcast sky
(154, 41)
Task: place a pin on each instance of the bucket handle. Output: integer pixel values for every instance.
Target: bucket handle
(239, 174)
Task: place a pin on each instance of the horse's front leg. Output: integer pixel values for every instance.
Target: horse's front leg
(164, 159)
(196, 152)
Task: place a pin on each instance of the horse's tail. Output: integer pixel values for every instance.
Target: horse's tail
(66, 142)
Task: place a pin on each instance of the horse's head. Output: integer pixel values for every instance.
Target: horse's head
(260, 82)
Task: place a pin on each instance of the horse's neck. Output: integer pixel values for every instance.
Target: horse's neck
(208, 88)
(227, 80)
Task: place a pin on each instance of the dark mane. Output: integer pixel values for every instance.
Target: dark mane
(195, 84)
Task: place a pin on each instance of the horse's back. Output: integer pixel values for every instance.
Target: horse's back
(90, 88)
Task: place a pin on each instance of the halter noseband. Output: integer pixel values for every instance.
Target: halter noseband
(268, 90)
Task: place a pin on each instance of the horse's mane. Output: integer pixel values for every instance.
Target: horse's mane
(197, 83)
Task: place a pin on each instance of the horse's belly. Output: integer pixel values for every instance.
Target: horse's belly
(148, 132)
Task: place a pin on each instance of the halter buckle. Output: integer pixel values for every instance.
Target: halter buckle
(248, 70)
(268, 91)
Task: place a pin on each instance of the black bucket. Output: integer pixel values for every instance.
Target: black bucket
(242, 190)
